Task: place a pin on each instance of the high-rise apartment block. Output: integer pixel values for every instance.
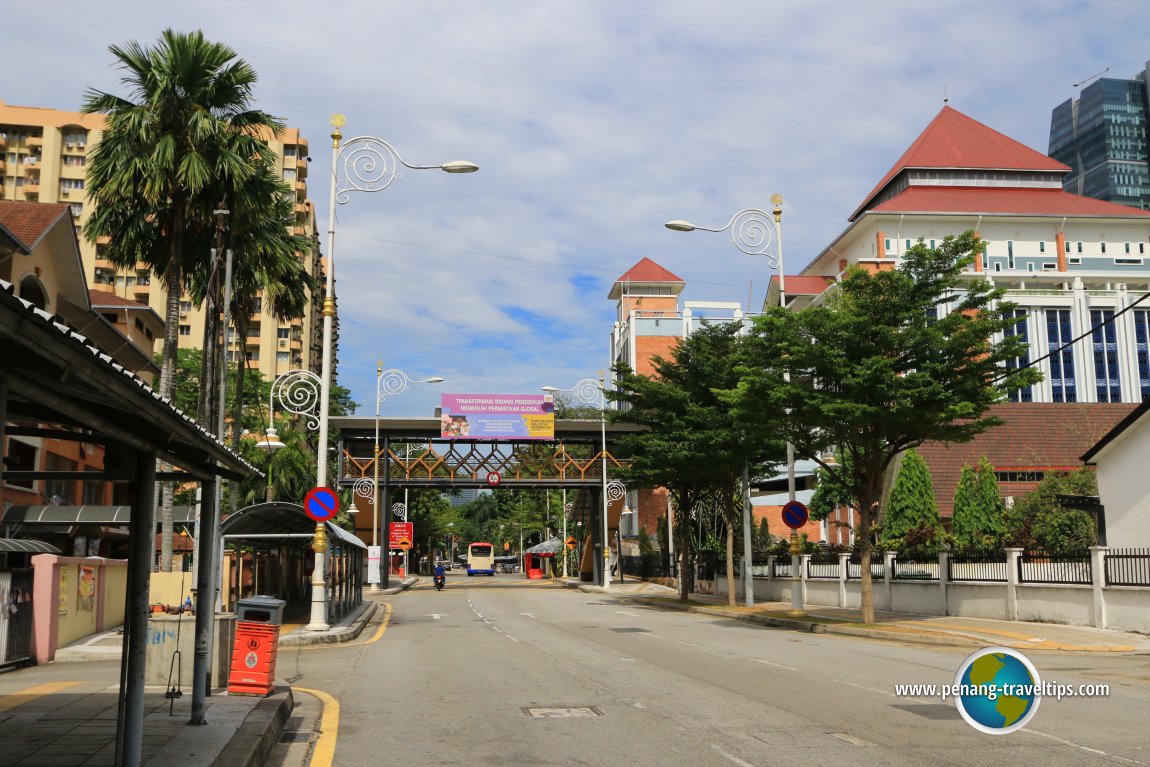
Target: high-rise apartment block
(1102, 136)
(44, 159)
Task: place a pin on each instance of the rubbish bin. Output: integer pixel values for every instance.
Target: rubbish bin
(258, 621)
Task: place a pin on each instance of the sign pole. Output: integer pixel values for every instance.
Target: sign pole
(321, 504)
(795, 515)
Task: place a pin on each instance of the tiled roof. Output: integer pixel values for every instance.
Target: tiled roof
(1035, 436)
(100, 298)
(804, 284)
(29, 221)
(953, 140)
(648, 271)
(1013, 201)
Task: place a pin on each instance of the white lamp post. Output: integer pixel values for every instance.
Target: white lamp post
(592, 392)
(388, 383)
(363, 164)
(271, 443)
(759, 233)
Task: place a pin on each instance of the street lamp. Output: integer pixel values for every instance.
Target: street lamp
(585, 391)
(271, 443)
(388, 383)
(363, 164)
(759, 233)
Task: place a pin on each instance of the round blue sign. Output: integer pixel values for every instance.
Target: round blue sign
(321, 503)
(795, 514)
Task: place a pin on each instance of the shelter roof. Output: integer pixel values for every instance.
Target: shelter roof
(22, 546)
(288, 520)
(66, 516)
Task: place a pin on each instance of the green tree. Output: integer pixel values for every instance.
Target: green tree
(156, 172)
(890, 359)
(912, 519)
(1038, 519)
(978, 521)
(694, 444)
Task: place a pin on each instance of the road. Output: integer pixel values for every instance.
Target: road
(509, 672)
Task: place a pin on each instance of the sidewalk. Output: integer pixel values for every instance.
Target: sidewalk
(64, 713)
(950, 631)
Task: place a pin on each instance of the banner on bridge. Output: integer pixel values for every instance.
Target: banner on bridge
(495, 416)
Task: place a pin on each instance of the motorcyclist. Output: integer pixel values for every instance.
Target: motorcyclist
(439, 571)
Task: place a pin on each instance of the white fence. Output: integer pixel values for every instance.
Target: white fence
(1024, 587)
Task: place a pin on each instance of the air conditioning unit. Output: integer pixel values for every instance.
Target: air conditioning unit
(80, 145)
(283, 343)
(67, 144)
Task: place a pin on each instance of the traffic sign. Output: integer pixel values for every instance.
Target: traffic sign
(400, 535)
(321, 503)
(493, 478)
(571, 542)
(795, 514)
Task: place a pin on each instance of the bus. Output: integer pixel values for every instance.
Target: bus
(480, 559)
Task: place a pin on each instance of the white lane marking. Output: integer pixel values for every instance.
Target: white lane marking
(850, 739)
(732, 757)
(649, 634)
(640, 705)
(496, 628)
(437, 616)
(513, 639)
(772, 663)
(692, 644)
(872, 689)
(624, 612)
(479, 613)
(1084, 748)
(529, 615)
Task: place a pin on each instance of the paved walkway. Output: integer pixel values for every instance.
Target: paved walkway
(64, 713)
(898, 627)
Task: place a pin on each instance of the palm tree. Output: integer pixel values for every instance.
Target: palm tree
(184, 129)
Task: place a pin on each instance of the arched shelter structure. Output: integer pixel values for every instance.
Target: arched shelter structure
(287, 532)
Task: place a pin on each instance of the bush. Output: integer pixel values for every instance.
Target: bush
(1039, 520)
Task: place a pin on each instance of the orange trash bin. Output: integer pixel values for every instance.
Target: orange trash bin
(253, 669)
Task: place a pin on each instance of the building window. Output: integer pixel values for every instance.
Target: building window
(93, 493)
(1142, 345)
(185, 330)
(283, 333)
(1128, 261)
(1068, 246)
(1019, 476)
(1103, 248)
(1058, 336)
(1080, 247)
(1019, 329)
(282, 359)
(908, 244)
(1041, 247)
(1127, 247)
(1074, 260)
(21, 457)
(1105, 355)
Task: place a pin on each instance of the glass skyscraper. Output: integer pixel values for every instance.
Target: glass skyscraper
(1102, 137)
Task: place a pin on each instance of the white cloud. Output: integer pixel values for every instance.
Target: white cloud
(593, 123)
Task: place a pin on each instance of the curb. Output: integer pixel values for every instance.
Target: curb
(334, 637)
(260, 731)
(813, 627)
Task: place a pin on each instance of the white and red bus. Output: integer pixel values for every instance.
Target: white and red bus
(480, 559)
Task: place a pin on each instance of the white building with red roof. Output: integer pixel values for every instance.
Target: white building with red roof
(1074, 265)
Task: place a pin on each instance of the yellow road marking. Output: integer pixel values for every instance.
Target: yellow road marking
(335, 645)
(324, 752)
(21, 697)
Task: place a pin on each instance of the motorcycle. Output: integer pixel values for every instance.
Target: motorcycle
(440, 582)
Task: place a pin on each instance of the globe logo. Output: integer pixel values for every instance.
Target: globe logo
(997, 690)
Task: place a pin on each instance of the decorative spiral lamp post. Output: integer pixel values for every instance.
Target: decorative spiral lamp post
(592, 392)
(759, 233)
(362, 164)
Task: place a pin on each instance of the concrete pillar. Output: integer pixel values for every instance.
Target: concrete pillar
(1098, 578)
(844, 560)
(804, 568)
(1012, 558)
(943, 579)
(887, 567)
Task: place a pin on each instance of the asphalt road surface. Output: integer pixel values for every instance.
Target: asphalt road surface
(503, 671)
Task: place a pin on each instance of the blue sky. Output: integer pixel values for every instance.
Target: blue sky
(593, 123)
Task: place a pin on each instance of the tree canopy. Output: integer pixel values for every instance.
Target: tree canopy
(890, 359)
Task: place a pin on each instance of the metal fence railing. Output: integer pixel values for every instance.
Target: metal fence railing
(979, 566)
(915, 566)
(1038, 566)
(823, 565)
(877, 568)
(1127, 567)
(781, 568)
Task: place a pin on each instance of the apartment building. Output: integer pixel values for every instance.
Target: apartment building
(44, 159)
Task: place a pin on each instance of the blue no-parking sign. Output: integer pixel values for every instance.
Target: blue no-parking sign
(795, 514)
(321, 503)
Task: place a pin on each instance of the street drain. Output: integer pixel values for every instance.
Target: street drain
(562, 712)
(295, 736)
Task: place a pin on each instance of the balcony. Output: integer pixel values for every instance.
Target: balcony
(31, 187)
(301, 187)
(3, 142)
(34, 141)
(301, 167)
(32, 163)
(301, 207)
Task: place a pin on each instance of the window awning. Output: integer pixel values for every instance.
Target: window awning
(20, 546)
(63, 516)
